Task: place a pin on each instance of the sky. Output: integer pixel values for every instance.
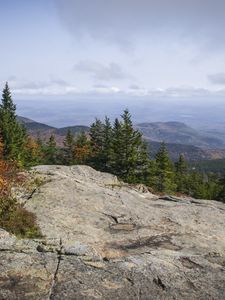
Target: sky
(136, 49)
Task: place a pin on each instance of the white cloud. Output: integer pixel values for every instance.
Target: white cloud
(178, 93)
(42, 88)
(99, 71)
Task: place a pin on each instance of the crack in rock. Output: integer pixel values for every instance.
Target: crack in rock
(159, 282)
(51, 292)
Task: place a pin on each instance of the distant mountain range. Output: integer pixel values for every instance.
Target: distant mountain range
(44, 131)
(180, 133)
(178, 137)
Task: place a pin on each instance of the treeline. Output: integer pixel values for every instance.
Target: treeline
(109, 147)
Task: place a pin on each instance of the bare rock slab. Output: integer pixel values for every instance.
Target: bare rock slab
(107, 240)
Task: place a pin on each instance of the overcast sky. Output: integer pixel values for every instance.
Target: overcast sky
(136, 48)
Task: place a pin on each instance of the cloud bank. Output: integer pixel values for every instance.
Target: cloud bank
(218, 78)
(122, 21)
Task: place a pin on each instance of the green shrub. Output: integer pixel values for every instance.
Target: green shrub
(17, 220)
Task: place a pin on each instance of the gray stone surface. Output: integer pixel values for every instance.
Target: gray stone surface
(107, 240)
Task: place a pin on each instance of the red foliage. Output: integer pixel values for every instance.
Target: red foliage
(81, 153)
(7, 173)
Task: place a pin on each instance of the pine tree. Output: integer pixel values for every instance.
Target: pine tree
(51, 151)
(13, 134)
(165, 181)
(181, 170)
(69, 148)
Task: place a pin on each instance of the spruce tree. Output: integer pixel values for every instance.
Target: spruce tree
(97, 143)
(165, 179)
(13, 133)
(196, 185)
(181, 170)
(41, 147)
(96, 134)
(106, 147)
(69, 148)
(100, 138)
(221, 192)
(51, 151)
(40, 142)
(116, 150)
(212, 187)
(129, 156)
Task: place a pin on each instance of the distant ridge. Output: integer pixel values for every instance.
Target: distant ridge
(179, 138)
(32, 125)
(179, 133)
(74, 129)
(44, 131)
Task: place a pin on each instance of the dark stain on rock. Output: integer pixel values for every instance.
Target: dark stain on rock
(188, 263)
(154, 242)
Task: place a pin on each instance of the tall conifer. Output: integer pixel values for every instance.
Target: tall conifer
(165, 181)
(129, 157)
(51, 151)
(97, 143)
(69, 148)
(181, 170)
(13, 133)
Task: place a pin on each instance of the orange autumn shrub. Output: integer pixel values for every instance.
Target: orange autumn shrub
(4, 184)
(82, 153)
(7, 173)
(13, 216)
(33, 152)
